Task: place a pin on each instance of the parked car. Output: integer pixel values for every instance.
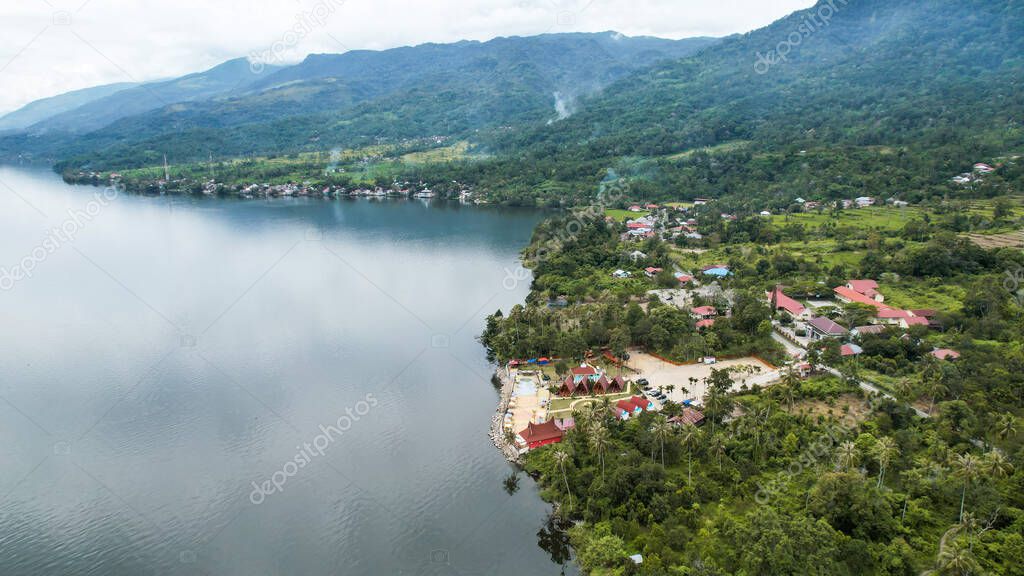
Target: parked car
(643, 382)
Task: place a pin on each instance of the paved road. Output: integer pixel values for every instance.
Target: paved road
(869, 387)
(865, 385)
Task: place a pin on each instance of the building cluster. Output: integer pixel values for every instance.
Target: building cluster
(863, 292)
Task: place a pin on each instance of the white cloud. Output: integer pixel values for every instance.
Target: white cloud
(51, 46)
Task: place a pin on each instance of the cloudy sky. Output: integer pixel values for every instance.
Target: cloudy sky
(52, 46)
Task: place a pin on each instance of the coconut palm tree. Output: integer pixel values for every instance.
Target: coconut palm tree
(598, 438)
(996, 465)
(967, 468)
(1006, 426)
(661, 430)
(847, 455)
(885, 450)
(957, 559)
(717, 445)
(691, 438)
(561, 457)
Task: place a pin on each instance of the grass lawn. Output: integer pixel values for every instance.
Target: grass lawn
(563, 404)
(623, 215)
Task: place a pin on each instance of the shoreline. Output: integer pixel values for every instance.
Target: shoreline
(497, 430)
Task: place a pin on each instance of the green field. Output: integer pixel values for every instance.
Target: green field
(623, 215)
(872, 217)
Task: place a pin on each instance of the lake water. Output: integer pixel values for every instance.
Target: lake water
(207, 386)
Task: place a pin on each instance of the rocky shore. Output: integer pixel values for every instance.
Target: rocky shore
(511, 451)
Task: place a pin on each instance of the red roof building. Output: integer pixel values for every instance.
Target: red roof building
(643, 403)
(945, 354)
(779, 301)
(868, 288)
(537, 435)
(629, 407)
(706, 323)
(914, 321)
(704, 312)
(851, 296)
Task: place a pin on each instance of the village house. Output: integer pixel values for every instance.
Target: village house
(537, 435)
(705, 324)
(703, 312)
(643, 403)
(688, 417)
(778, 300)
(870, 329)
(627, 409)
(848, 295)
(982, 168)
(603, 385)
(651, 271)
(821, 328)
(850, 350)
(868, 288)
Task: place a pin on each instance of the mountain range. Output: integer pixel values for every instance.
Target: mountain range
(343, 99)
(847, 97)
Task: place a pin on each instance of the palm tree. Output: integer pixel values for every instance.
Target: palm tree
(935, 388)
(968, 469)
(599, 442)
(905, 390)
(561, 457)
(955, 558)
(885, 450)
(717, 445)
(661, 430)
(1006, 426)
(691, 438)
(848, 455)
(996, 465)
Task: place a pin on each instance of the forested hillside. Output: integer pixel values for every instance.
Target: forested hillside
(345, 100)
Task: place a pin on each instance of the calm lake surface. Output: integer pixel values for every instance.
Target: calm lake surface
(247, 387)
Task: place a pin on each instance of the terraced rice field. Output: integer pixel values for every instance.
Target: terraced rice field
(991, 241)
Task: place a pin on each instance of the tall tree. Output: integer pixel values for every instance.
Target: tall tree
(885, 450)
(968, 469)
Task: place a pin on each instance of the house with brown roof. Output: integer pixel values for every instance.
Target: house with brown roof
(570, 387)
(821, 327)
(688, 417)
(603, 385)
